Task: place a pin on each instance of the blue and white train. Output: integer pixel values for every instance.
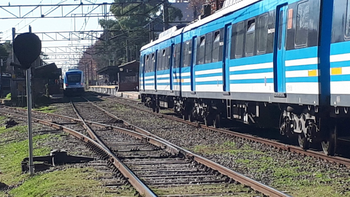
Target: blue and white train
(73, 83)
(283, 63)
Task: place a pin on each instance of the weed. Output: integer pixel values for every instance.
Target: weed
(46, 109)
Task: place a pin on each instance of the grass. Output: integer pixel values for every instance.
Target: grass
(297, 178)
(229, 189)
(13, 153)
(46, 109)
(17, 128)
(68, 182)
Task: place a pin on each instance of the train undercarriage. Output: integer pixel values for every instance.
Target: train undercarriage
(302, 122)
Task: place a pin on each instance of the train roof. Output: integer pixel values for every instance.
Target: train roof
(229, 7)
(73, 70)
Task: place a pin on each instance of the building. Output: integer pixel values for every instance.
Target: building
(125, 76)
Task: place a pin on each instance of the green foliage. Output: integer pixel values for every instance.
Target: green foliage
(46, 109)
(128, 32)
(8, 96)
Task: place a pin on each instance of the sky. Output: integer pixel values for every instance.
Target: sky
(49, 25)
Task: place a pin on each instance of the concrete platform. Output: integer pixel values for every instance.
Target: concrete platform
(112, 90)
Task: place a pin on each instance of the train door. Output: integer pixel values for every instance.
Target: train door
(154, 62)
(193, 60)
(226, 58)
(171, 63)
(279, 50)
(142, 71)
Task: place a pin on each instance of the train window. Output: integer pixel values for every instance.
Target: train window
(201, 50)
(250, 38)
(347, 25)
(239, 40)
(302, 23)
(152, 63)
(188, 53)
(167, 58)
(147, 64)
(339, 12)
(159, 60)
(177, 56)
(271, 31)
(208, 47)
(216, 46)
(262, 34)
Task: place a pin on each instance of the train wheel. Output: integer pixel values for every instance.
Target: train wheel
(208, 121)
(303, 143)
(217, 121)
(190, 117)
(328, 145)
(184, 116)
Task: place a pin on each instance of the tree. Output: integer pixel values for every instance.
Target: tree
(196, 6)
(124, 36)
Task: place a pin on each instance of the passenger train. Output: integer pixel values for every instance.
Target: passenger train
(279, 63)
(73, 83)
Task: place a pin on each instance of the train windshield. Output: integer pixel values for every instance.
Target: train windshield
(73, 78)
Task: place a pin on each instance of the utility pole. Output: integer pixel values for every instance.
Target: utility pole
(29, 114)
(1, 66)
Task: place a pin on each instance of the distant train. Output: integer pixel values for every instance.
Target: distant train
(281, 63)
(73, 83)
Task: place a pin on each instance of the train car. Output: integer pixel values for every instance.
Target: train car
(73, 83)
(274, 63)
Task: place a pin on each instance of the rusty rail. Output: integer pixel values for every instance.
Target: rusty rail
(266, 190)
(277, 145)
(106, 153)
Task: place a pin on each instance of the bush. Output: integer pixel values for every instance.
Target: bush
(8, 96)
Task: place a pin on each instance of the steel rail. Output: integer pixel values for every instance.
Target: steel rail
(277, 145)
(174, 149)
(107, 154)
(258, 186)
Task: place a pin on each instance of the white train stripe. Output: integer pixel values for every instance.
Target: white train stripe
(299, 62)
(340, 57)
(252, 76)
(209, 88)
(163, 81)
(302, 88)
(186, 88)
(162, 76)
(186, 74)
(337, 87)
(252, 66)
(252, 87)
(299, 73)
(150, 77)
(345, 70)
(216, 78)
(211, 71)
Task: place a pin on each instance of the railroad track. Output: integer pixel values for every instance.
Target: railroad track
(271, 143)
(158, 163)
